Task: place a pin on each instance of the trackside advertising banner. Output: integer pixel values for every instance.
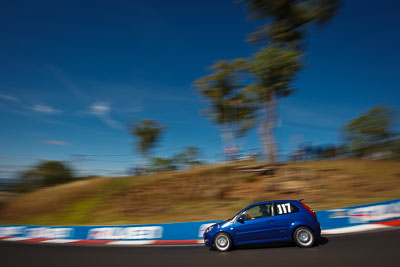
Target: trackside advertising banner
(360, 218)
(332, 221)
(170, 231)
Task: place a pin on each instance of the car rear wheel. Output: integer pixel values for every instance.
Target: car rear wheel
(304, 237)
(222, 242)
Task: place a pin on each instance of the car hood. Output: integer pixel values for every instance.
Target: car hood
(221, 224)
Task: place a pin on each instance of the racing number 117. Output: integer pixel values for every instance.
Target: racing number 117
(284, 208)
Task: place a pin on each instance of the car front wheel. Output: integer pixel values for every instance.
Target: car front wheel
(304, 237)
(222, 242)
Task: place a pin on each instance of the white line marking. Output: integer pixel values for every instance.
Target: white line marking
(59, 241)
(352, 229)
(131, 242)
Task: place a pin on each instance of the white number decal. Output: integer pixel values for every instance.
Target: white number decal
(288, 207)
(280, 209)
(284, 208)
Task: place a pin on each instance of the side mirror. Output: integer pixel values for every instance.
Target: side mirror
(241, 218)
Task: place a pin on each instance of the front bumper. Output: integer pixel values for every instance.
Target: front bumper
(208, 240)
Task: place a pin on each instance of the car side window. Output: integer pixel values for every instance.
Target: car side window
(285, 208)
(258, 211)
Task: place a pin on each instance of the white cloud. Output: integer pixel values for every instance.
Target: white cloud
(55, 142)
(9, 98)
(45, 109)
(102, 110)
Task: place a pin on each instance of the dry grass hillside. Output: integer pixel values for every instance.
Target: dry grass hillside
(204, 193)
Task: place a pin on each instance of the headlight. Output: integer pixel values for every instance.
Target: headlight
(209, 229)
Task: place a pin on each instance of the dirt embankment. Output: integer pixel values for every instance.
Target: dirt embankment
(205, 192)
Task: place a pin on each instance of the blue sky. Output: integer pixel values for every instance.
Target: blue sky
(73, 74)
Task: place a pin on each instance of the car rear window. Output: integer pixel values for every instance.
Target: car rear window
(285, 208)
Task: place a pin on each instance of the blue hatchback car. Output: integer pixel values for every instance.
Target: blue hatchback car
(269, 221)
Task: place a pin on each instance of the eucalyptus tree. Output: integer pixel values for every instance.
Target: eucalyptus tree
(287, 20)
(369, 131)
(46, 173)
(273, 70)
(147, 133)
(190, 156)
(274, 67)
(228, 106)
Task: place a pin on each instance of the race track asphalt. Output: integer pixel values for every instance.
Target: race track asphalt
(381, 248)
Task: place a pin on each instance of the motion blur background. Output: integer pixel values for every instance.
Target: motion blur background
(161, 111)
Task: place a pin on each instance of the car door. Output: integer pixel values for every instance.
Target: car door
(257, 225)
(284, 214)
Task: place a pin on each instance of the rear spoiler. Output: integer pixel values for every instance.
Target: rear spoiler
(300, 200)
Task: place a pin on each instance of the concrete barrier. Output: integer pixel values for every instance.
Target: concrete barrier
(334, 221)
(360, 218)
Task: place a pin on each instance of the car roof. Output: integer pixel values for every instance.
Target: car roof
(273, 201)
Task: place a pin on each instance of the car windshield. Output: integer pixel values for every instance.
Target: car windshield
(234, 216)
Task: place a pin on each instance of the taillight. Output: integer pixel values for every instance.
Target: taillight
(310, 210)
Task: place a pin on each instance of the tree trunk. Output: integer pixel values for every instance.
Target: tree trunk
(228, 141)
(267, 129)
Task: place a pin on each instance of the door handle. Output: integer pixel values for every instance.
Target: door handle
(270, 221)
